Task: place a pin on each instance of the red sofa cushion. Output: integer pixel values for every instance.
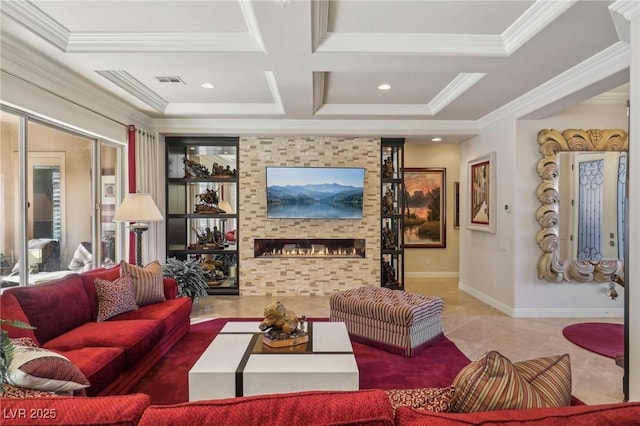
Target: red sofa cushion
(136, 338)
(170, 288)
(44, 305)
(171, 312)
(101, 366)
(621, 414)
(365, 407)
(106, 410)
(11, 310)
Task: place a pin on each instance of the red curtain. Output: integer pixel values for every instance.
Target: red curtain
(132, 185)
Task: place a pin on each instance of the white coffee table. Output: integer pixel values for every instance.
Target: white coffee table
(236, 363)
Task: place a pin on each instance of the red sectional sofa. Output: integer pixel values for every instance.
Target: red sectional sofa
(115, 354)
(365, 407)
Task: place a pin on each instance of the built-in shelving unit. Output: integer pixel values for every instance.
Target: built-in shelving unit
(392, 218)
(202, 206)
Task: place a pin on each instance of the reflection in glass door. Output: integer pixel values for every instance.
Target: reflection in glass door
(52, 182)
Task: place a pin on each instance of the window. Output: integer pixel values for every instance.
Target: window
(59, 189)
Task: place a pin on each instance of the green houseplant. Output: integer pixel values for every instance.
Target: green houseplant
(6, 347)
(190, 275)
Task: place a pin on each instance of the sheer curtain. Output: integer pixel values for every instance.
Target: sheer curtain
(146, 164)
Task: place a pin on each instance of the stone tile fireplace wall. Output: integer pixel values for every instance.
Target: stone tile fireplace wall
(306, 275)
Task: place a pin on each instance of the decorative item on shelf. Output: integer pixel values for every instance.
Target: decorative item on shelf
(191, 277)
(389, 274)
(208, 202)
(283, 327)
(214, 269)
(208, 238)
(193, 169)
(388, 238)
(220, 171)
(388, 169)
(388, 201)
(139, 209)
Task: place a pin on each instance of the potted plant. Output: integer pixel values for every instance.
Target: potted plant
(6, 348)
(190, 275)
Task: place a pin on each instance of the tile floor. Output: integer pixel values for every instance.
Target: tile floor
(473, 326)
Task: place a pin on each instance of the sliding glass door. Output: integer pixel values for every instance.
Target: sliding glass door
(58, 188)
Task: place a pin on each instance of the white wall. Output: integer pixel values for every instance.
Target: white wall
(486, 259)
(501, 268)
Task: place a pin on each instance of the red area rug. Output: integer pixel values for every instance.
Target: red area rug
(436, 366)
(602, 338)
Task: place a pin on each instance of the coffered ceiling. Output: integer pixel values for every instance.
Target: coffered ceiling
(309, 64)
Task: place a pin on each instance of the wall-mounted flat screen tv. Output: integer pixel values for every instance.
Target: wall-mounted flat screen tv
(315, 192)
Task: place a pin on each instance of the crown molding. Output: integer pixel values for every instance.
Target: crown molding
(200, 109)
(58, 35)
(379, 128)
(40, 72)
(532, 21)
(607, 62)
(374, 109)
(38, 22)
(453, 90)
(249, 14)
(622, 12)
(135, 88)
(319, 22)
(162, 42)
(318, 90)
(526, 26)
(413, 43)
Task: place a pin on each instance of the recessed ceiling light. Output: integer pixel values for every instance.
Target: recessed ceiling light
(436, 139)
(208, 85)
(384, 86)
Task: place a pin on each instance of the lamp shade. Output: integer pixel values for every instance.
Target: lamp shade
(138, 207)
(224, 205)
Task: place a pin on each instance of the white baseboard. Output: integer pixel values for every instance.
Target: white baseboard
(544, 312)
(441, 274)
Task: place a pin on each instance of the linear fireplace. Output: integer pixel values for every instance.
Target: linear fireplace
(308, 247)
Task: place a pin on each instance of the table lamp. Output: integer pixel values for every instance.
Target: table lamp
(140, 209)
(35, 259)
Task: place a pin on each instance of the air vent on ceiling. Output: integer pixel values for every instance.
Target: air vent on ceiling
(169, 79)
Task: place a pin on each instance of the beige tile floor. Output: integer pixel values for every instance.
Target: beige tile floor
(473, 326)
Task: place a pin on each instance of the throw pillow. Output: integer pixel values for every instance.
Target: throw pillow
(147, 282)
(430, 399)
(550, 377)
(44, 370)
(495, 383)
(24, 341)
(115, 297)
(10, 391)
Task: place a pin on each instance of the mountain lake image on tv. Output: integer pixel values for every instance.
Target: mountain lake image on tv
(315, 192)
